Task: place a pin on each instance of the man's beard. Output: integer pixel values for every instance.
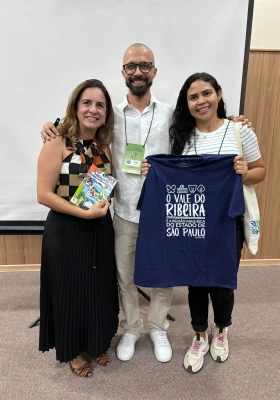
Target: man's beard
(138, 90)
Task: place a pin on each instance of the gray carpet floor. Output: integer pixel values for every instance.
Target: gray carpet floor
(251, 372)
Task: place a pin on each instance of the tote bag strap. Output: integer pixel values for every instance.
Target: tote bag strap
(236, 129)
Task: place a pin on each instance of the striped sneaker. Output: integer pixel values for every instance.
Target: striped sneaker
(194, 358)
(219, 349)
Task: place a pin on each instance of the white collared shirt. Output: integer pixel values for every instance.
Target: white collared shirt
(128, 188)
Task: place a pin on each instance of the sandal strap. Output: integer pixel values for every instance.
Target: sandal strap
(102, 360)
(84, 370)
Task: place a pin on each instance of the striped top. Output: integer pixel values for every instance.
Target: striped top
(210, 143)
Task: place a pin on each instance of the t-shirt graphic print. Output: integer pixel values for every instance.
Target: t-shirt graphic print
(187, 228)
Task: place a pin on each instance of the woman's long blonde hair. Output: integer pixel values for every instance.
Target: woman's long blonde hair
(70, 124)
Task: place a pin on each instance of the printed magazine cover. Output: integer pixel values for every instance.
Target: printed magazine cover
(95, 187)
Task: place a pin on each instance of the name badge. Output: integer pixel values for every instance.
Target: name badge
(133, 155)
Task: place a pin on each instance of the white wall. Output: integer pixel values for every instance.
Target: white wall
(266, 25)
(48, 47)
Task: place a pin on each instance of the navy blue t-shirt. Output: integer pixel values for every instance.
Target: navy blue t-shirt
(187, 228)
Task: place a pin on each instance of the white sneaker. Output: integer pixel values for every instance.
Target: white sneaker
(162, 348)
(126, 347)
(219, 349)
(194, 358)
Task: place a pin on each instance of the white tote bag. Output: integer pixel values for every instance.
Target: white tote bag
(251, 218)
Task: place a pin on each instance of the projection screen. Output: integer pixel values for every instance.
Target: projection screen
(48, 47)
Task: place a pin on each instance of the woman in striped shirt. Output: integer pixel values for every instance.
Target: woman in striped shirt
(200, 126)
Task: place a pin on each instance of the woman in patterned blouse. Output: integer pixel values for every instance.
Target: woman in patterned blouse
(78, 299)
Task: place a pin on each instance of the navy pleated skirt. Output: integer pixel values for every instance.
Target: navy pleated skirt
(79, 296)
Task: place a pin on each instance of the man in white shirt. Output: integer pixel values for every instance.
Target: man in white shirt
(139, 119)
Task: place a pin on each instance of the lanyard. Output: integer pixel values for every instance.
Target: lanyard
(195, 140)
(149, 127)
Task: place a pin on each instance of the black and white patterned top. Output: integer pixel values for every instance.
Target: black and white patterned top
(76, 164)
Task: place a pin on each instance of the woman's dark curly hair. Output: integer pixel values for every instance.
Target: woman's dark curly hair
(183, 124)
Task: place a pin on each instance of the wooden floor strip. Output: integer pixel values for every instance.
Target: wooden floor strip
(243, 263)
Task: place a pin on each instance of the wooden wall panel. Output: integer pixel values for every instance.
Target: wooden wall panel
(3, 257)
(14, 249)
(267, 190)
(275, 166)
(253, 88)
(32, 249)
(267, 104)
(262, 107)
(271, 220)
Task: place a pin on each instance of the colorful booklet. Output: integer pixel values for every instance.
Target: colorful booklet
(95, 187)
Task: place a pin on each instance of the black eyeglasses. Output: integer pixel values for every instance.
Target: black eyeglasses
(145, 67)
